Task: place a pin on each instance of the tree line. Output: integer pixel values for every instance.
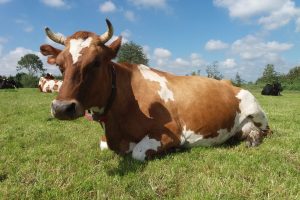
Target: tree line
(30, 68)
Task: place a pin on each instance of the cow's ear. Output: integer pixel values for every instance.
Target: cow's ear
(115, 46)
(51, 52)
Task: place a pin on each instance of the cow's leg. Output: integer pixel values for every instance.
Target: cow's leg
(253, 132)
(103, 143)
(125, 146)
(154, 144)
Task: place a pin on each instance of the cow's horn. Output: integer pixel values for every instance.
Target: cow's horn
(108, 34)
(55, 37)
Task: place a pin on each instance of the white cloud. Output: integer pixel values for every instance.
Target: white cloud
(281, 17)
(161, 56)
(9, 61)
(25, 25)
(126, 34)
(146, 50)
(107, 7)
(129, 15)
(251, 48)
(56, 3)
(180, 62)
(160, 4)
(196, 60)
(271, 14)
(162, 59)
(229, 63)
(248, 8)
(253, 54)
(162, 53)
(213, 45)
(4, 1)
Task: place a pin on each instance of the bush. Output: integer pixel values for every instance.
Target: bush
(29, 81)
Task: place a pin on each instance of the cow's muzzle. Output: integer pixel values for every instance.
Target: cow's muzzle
(66, 110)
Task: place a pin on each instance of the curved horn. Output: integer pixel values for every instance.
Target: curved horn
(55, 37)
(108, 34)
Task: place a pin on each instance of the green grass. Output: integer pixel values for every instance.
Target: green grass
(43, 158)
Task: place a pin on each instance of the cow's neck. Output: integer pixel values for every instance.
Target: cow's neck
(115, 98)
(123, 90)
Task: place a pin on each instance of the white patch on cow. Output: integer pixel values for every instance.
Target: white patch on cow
(59, 84)
(131, 147)
(76, 45)
(103, 145)
(250, 107)
(49, 85)
(190, 139)
(42, 79)
(165, 93)
(139, 151)
(97, 110)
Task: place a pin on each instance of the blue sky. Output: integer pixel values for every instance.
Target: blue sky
(179, 36)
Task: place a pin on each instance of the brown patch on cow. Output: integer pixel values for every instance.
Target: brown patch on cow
(55, 87)
(48, 89)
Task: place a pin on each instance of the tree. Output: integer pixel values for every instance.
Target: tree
(196, 73)
(213, 72)
(132, 53)
(269, 75)
(32, 63)
(238, 81)
(293, 74)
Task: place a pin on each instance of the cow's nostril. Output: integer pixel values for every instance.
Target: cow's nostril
(71, 108)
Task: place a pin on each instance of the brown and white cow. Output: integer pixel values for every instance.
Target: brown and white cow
(147, 111)
(49, 84)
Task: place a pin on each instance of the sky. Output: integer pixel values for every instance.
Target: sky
(178, 36)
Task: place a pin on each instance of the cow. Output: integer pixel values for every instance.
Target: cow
(147, 112)
(273, 89)
(7, 83)
(48, 84)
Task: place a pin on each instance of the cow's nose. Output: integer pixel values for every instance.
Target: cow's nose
(66, 110)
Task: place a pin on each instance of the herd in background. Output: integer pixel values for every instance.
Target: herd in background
(7, 83)
(49, 84)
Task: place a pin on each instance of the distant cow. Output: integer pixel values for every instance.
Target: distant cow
(273, 89)
(48, 84)
(145, 111)
(7, 84)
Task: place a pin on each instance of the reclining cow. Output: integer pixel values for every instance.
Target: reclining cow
(7, 83)
(145, 111)
(273, 90)
(49, 84)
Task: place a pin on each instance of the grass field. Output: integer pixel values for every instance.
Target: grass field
(43, 158)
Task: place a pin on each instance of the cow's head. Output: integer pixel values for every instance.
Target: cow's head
(84, 63)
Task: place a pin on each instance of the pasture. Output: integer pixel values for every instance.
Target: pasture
(43, 158)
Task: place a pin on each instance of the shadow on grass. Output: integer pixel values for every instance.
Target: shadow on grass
(126, 166)
(129, 165)
(230, 143)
